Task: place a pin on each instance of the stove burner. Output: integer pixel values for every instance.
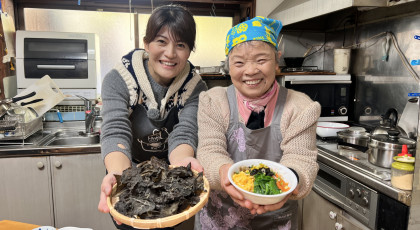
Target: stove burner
(358, 159)
(327, 139)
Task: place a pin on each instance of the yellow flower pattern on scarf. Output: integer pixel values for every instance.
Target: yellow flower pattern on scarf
(256, 23)
(242, 28)
(258, 28)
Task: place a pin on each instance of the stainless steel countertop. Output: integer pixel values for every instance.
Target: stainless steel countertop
(377, 180)
(29, 147)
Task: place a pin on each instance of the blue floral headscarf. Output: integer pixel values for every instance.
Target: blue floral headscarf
(258, 28)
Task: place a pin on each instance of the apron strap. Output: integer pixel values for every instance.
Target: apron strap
(233, 105)
(281, 101)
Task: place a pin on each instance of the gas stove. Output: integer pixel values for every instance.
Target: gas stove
(356, 159)
(300, 69)
(363, 190)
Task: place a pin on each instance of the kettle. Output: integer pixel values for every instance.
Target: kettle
(389, 120)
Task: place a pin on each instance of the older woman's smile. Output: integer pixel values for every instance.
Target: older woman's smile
(252, 82)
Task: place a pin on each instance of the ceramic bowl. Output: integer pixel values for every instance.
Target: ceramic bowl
(330, 129)
(286, 173)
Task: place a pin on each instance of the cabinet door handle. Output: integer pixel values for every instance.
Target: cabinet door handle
(57, 164)
(40, 165)
(338, 226)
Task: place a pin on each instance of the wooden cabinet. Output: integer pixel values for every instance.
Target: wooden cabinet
(57, 191)
(320, 214)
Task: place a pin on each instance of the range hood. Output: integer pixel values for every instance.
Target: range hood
(292, 11)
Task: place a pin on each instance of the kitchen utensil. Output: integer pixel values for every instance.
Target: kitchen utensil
(409, 118)
(5, 103)
(47, 95)
(341, 61)
(402, 170)
(383, 147)
(26, 114)
(329, 129)
(209, 70)
(354, 138)
(307, 51)
(294, 62)
(389, 120)
(17, 98)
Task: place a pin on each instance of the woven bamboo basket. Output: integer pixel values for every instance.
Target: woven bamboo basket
(165, 222)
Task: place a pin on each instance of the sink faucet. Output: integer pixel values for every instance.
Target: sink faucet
(89, 114)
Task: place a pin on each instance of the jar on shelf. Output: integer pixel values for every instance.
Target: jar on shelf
(402, 170)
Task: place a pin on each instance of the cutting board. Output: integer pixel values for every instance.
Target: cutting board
(45, 89)
(9, 224)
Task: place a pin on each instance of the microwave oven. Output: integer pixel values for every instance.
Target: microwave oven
(331, 91)
(70, 59)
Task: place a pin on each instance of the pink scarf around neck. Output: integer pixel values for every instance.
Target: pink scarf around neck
(247, 105)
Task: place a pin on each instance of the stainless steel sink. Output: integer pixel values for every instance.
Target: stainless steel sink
(70, 138)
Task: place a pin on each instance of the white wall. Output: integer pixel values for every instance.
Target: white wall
(265, 7)
(210, 40)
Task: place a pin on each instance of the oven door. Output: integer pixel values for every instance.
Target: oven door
(331, 183)
(333, 96)
(342, 191)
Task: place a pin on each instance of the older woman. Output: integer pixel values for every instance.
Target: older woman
(254, 118)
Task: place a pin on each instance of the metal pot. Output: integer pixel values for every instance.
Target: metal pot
(383, 147)
(354, 138)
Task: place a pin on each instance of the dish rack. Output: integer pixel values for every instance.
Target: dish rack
(209, 70)
(14, 127)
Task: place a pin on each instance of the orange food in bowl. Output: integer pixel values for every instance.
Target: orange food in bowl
(244, 181)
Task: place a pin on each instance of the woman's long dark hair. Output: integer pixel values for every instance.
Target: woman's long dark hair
(177, 19)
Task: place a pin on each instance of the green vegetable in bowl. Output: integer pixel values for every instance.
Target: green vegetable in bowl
(265, 185)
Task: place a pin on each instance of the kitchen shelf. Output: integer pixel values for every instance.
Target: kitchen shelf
(206, 77)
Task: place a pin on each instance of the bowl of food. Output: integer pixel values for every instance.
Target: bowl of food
(157, 195)
(330, 129)
(261, 181)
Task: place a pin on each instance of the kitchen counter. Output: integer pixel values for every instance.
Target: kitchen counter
(30, 147)
(361, 171)
(53, 185)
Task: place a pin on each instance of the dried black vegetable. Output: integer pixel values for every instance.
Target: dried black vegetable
(153, 190)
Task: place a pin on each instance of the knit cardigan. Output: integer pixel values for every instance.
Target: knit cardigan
(297, 126)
